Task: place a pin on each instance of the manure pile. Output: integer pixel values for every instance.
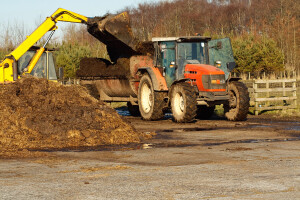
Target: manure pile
(37, 114)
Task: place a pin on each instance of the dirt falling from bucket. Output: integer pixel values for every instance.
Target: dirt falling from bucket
(98, 67)
(39, 114)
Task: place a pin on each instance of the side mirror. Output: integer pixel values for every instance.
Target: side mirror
(60, 73)
(231, 66)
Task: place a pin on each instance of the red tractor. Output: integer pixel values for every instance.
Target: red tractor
(191, 75)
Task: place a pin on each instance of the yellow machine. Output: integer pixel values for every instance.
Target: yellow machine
(112, 30)
(9, 68)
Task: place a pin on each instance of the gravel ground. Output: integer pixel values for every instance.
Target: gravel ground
(211, 159)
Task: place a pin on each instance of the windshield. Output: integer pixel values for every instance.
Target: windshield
(40, 68)
(193, 52)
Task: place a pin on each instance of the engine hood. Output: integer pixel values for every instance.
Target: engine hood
(202, 69)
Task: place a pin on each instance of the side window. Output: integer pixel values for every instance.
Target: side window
(51, 65)
(167, 53)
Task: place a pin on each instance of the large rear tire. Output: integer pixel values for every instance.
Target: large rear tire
(238, 105)
(151, 103)
(133, 109)
(183, 102)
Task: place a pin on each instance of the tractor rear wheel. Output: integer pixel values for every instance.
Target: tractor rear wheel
(133, 109)
(151, 103)
(238, 105)
(204, 112)
(183, 102)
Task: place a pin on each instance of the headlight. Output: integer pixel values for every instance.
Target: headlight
(218, 81)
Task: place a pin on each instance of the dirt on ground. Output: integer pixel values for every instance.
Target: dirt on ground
(37, 114)
(208, 159)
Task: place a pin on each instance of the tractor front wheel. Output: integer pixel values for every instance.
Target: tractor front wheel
(238, 105)
(151, 103)
(183, 102)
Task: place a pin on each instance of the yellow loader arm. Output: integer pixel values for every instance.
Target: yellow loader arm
(8, 67)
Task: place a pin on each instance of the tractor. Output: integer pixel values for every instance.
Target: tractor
(190, 76)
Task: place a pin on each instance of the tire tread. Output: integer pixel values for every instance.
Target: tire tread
(243, 107)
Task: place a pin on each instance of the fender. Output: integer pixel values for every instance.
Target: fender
(159, 82)
(230, 79)
(179, 81)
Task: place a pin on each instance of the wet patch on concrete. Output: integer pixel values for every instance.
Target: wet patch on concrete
(253, 141)
(175, 144)
(179, 130)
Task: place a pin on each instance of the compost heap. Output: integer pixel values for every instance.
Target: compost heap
(37, 114)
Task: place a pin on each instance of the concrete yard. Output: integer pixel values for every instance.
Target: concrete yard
(208, 159)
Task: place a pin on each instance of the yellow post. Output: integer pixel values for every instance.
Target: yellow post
(34, 60)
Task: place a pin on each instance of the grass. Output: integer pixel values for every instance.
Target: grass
(117, 104)
(219, 110)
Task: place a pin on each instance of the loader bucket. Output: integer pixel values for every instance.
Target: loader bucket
(115, 32)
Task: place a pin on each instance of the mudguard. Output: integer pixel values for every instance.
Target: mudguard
(233, 79)
(158, 81)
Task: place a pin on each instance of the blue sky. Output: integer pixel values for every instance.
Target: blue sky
(32, 12)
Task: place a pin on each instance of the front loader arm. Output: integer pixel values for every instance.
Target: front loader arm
(48, 25)
(8, 67)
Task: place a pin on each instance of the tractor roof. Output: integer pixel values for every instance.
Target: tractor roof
(181, 39)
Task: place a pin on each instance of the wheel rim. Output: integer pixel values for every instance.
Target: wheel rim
(179, 103)
(146, 98)
(232, 100)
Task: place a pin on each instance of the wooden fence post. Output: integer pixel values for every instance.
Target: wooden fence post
(295, 93)
(268, 92)
(255, 97)
(283, 87)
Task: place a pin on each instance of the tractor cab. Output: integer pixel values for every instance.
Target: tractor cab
(45, 67)
(174, 53)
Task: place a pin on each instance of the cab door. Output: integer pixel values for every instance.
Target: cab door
(168, 56)
(221, 50)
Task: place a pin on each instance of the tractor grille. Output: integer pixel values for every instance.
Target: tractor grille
(214, 81)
